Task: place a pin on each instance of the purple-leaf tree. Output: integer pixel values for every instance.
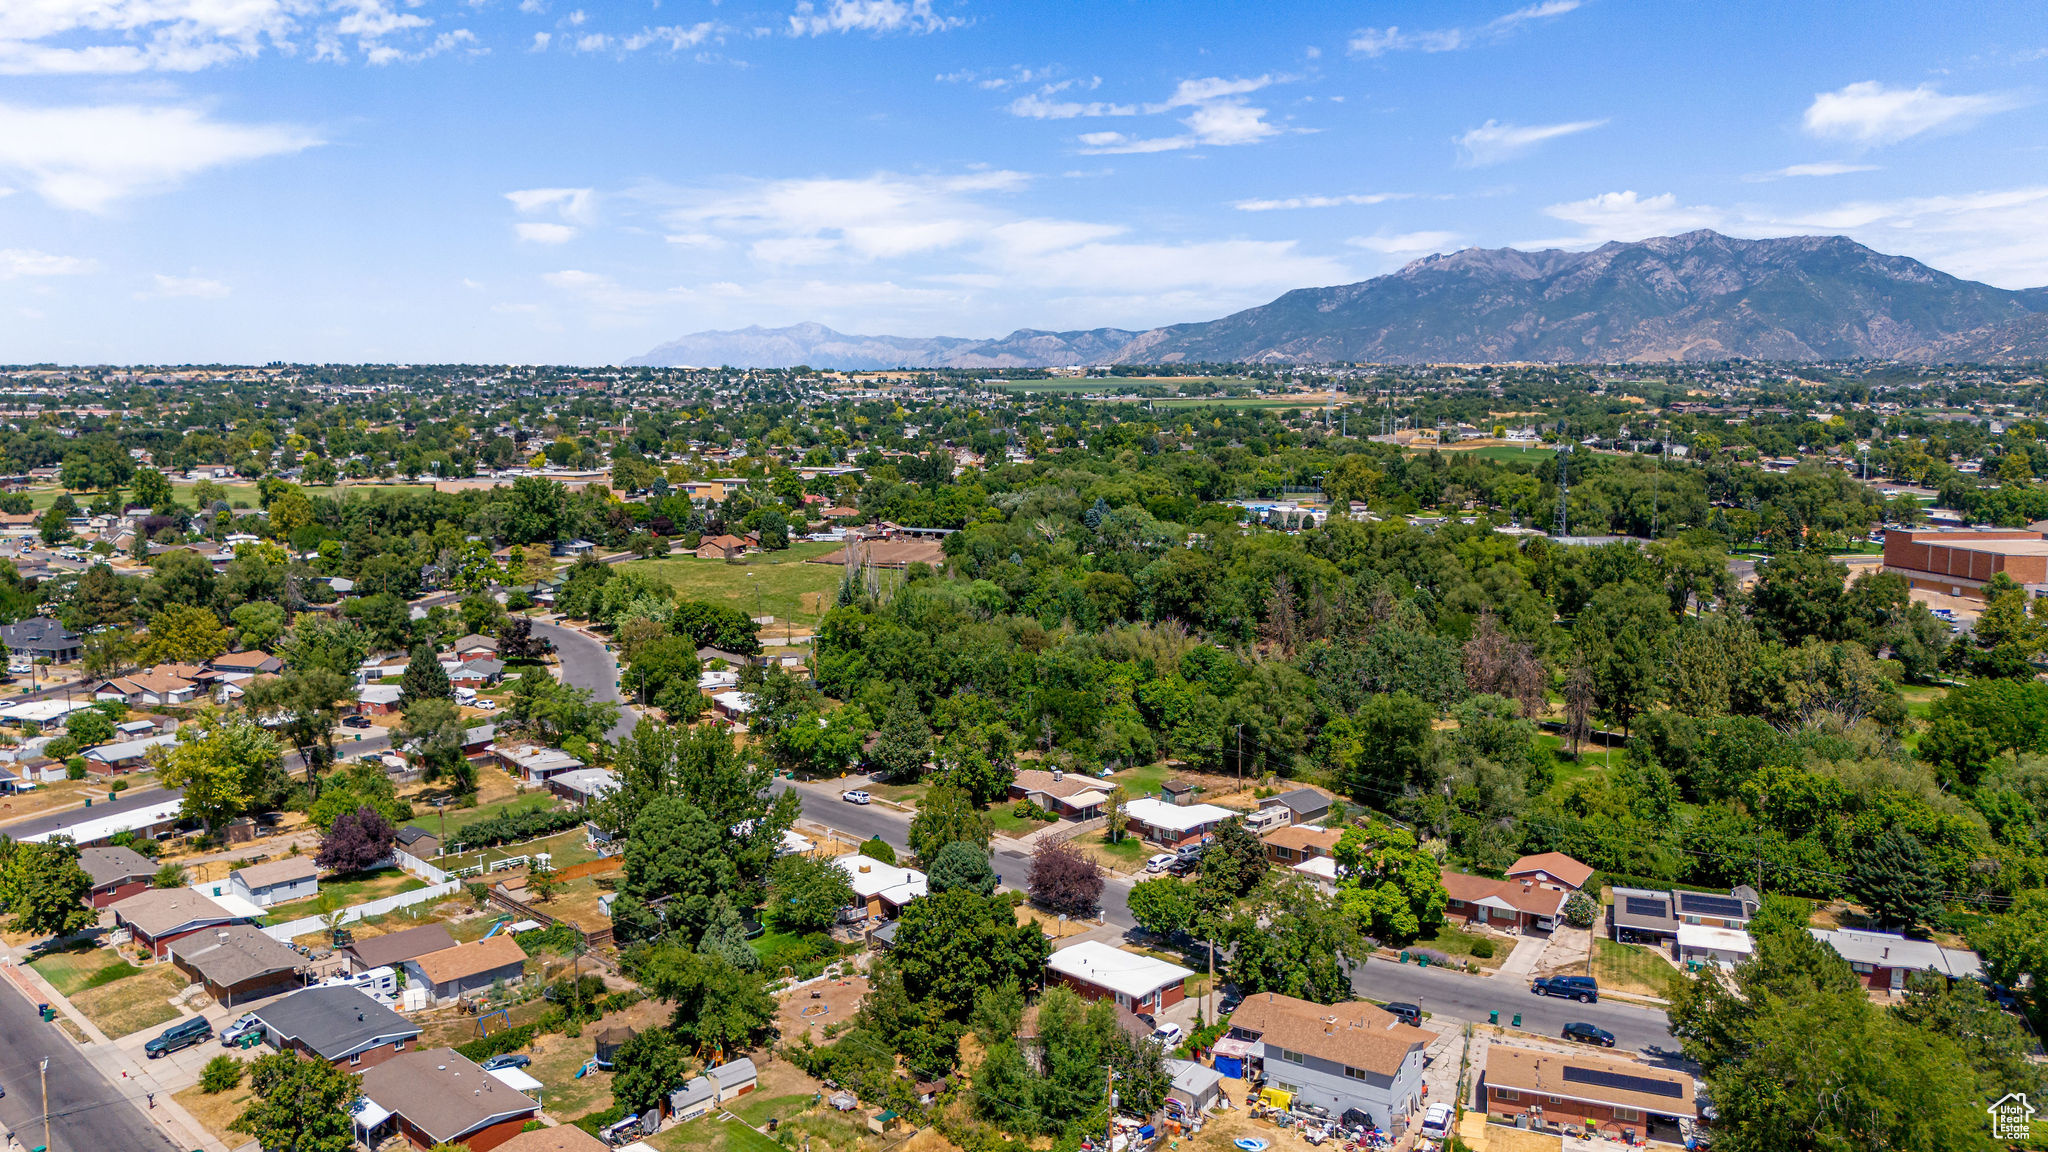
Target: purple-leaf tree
(1063, 880)
(358, 841)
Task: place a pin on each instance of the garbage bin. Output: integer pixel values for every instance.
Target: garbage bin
(1516, 1022)
(1493, 1017)
(1404, 955)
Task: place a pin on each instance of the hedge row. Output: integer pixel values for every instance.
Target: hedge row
(498, 1043)
(512, 827)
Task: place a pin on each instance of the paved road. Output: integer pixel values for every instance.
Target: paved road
(88, 1112)
(1437, 990)
(128, 801)
(586, 663)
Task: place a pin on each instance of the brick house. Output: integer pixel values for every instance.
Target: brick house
(159, 917)
(438, 1096)
(1552, 870)
(117, 873)
(344, 1026)
(1579, 1091)
(1507, 905)
(1297, 843)
(1099, 972)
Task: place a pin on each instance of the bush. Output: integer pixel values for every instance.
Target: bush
(1026, 810)
(1482, 949)
(75, 771)
(223, 1074)
(62, 748)
(878, 849)
(1580, 910)
(498, 1043)
(511, 827)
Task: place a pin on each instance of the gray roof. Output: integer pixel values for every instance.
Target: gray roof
(698, 1090)
(1885, 950)
(413, 834)
(444, 1094)
(394, 947)
(484, 666)
(285, 870)
(39, 633)
(736, 1072)
(237, 952)
(113, 865)
(1300, 800)
(1192, 1078)
(1639, 914)
(335, 1021)
(162, 910)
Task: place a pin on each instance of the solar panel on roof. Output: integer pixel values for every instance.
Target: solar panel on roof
(1700, 905)
(1623, 1081)
(1639, 906)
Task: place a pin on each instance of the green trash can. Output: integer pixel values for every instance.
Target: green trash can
(1493, 1017)
(1517, 1023)
(1404, 955)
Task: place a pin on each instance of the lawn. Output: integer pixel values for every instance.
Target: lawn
(216, 1111)
(133, 1003)
(1628, 968)
(1010, 824)
(774, 583)
(72, 972)
(1920, 699)
(1125, 855)
(712, 1134)
(336, 894)
(1143, 780)
(1458, 944)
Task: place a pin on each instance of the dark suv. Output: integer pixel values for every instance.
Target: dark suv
(1584, 989)
(1408, 1013)
(1588, 1034)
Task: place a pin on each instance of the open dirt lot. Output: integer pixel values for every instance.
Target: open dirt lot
(838, 998)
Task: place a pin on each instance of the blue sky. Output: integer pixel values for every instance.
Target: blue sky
(538, 181)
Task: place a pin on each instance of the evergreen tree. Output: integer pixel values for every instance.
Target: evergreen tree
(1894, 880)
(425, 679)
(906, 740)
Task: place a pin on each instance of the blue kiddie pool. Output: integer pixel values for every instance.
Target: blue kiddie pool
(1250, 1143)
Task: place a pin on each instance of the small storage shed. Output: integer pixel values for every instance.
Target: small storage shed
(1196, 1087)
(693, 1099)
(734, 1079)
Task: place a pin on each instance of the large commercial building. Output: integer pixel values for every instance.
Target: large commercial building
(1961, 563)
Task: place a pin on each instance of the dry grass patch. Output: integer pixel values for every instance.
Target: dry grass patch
(133, 1003)
(215, 1112)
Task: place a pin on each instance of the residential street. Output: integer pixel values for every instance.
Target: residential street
(89, 1112)
(586, 663)
(1437, 990)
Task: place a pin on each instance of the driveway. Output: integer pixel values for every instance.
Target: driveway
(588, 663)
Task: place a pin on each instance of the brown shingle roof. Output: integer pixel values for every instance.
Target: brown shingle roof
(237, 952)
(1558, 864)
(1039, 780)
(393, 947)
(443, 1093)
(1521, 895)
(485, 955)
(560, 1138)
(1356, 1033)
(1544, 1073)
(159, 910)
(254, 658)
(1296, 837)
(286, 870)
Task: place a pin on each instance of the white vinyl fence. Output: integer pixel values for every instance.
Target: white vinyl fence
(306, 924)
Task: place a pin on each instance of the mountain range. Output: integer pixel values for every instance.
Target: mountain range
(1694, 297)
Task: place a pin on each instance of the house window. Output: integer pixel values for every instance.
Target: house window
(1290, 1089)
(1557, 1099)
(1351, 1073)
(1629, 1115)
(398, 1046)
(356, 1058)
(1506, 1094)
(1290, 1057)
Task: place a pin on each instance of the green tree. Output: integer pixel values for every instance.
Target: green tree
(185, 634)
(257, 624)
(1235, 861)
(1392, 890)
(945, 816)
(1895, 881)
(646, 1069)
(89, 728)
(223, 1073)
(719, 1006)
(306, 704)
(961, 865)
(218, 762)
(1163, 906)
(951, 945)
(152, 490)
(44, 889)
(678, 852)
(905, 743)
(2015, 949)
(1384, 749)
(1294, 940)
(300, 1105)
(806, 893)
(424, 678)
(436, 731)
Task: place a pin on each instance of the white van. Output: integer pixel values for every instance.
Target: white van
(1436, 1122)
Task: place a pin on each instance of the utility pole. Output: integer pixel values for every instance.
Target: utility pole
(1240, 754)
(1564, 484)
(46, 1102)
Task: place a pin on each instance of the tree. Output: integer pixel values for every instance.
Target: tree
(220, 762)
(1296, 941)
(961, 865)
(223, 1073)
(646, 1069)
(358, 841)
(906, 740)
(516, 640)
(300, 1105)
(678, 852)
(53, 527)
(1114, 818)
(182, 633)
(806, 893)
(258, 624)
(289, 511)
(945, 816)
(89, 728)
(951, 945)
(1384, 748)
(169, 876)
(720, 1007)
(152, 490)
(876, 848)
(1234, 861)
(424, 678)
(44, 889)
(663, 672)
(307, 704)
(1063, 880)
(542, 881)
(2015, 949)
(1163, 906)
(1895, 881)
(1392, 890)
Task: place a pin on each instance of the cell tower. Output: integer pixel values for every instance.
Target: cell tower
(1564, 483)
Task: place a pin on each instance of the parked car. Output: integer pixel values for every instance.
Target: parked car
(179, 1036)
(1167, 1036)
(1584, 989)
(1436, 1122)
(1408, 1013)
(232, 1034)
(855, 796)
(1182, 865)
(507, 1060)
(1587, 1034)
(1160, 862)
(356, 722)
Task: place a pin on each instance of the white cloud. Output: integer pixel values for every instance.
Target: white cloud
(1494, 142)
(18, 262)
(1408, 243)
(40, 37)
(1824, 168)
(1999, 236)
(1037, 106)
(542, 232)
(571, 209)
(1291, 202)
(1380, 41)
(1217, 116)
(183, 288)
(874, 16)
(1870, 113)
(1627, 216)
(88, 157)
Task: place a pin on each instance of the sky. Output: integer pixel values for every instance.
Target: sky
(542, 181)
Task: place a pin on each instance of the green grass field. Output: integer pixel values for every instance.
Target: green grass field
(1628, 968)
(1010, 824)
(132, 1003)
(1509, 453)
(1458, 944)
(775, 584)
(343, 893)
(75, 972)
(240, 492)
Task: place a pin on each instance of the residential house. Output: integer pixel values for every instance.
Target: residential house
(1505, 905)
(584, 784)
(1578, 1091)
(116, 873)
(124, 755)
(1072, 797)
(1725, 947)
(41, 638)
(379, 699)
(481, 672)
(880, 889)
(533, 763)
(1338, 1057)
(560, 1138)
(418, 843)
(393, 949)
(1098, 971)
(253, 662)
(277, 881)
(1883, 960)
(238, 963)
(707, 654)
(1173, 825)
(149, 816)
(732, 707)
(159, 917)
(344, 1026)
(435, 1096)
(1552, 870)
(453, 973)
(475, 647)
(1303, 805)
(1735, 910)
(1654, 915)
(722, 547)
(1297, 843)
(154, 688)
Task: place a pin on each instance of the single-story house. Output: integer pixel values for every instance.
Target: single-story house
(1509, 905)
(1173, 825)
(238, 963)
(278, 881)
(881, 889)
(1197, 1088)
(148, 689)
(1552, 870)
(159, 917)
(253, 662)
(453, 973)
(478, 673)
(1883, 960)
(1580, 1091)
(41, 638)
(732, 707)
(1295, 843)
(534, 763)
(1071, 797)
(1654, 915)
(147, 816)
(45, 714)
(379, 699)
(584, 784)
(731, 659)
(124, 755)
(394, 948)
(439, 1096)
(116, 873)
(1699, 944)
(1321, 869)
(473, 646)
(734, 1078)
(1335, 1056)
(1098, 972)
(725, 547)
(1304, 805)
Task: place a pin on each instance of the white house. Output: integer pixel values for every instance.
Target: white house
(1175, 824)
(881, 889)
(277, 881)
(1699, 944)
(1100, 972)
